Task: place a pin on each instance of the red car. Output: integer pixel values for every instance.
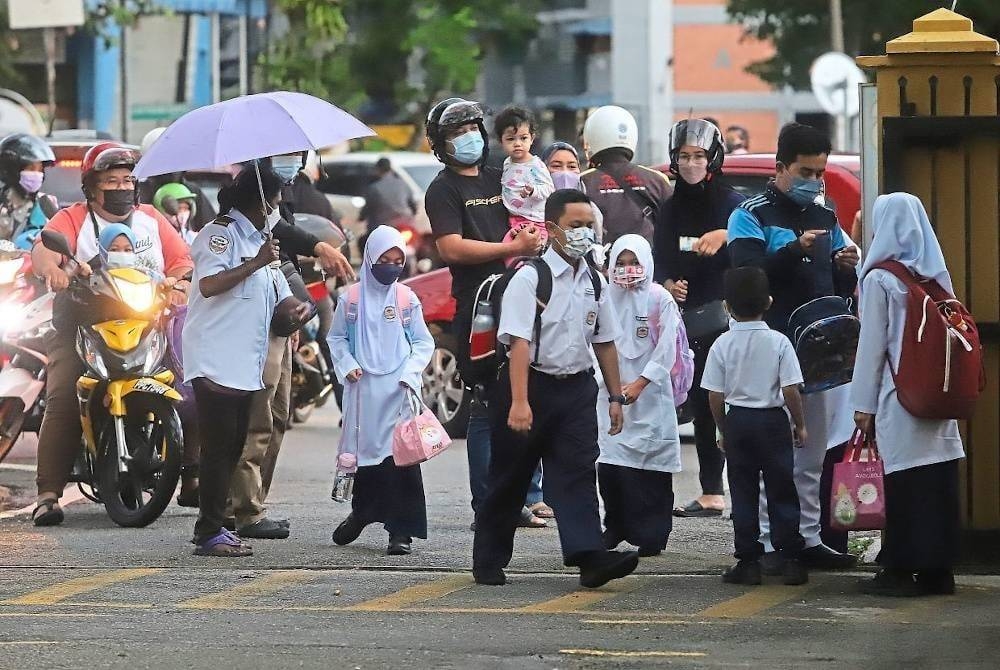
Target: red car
(748, 174)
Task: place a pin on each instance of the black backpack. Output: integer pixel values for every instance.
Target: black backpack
(489, 298)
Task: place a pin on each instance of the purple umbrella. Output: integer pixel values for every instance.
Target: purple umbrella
(248, 127)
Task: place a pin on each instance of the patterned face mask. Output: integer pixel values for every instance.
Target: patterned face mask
(628, 276)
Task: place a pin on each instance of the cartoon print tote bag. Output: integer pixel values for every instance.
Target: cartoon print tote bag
(418, 435)
(858, 491)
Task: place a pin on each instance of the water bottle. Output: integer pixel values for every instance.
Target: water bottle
(482, 340)
(343, 484)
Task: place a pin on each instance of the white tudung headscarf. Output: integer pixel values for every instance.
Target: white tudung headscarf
(903, 233)
(382, 345)
(632, 302)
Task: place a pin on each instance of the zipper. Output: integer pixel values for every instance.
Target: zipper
(947, 360)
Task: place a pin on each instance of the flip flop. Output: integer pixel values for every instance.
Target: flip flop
(51, 513)
(695, 509)
(542, 511)
(529, 520)
(224, 544)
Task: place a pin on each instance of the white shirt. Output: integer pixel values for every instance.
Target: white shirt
(750, 364)
(148, 246)
(904, 441)
(569, 320)
(226, 337)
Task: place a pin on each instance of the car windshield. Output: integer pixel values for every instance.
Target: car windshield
(423, 175)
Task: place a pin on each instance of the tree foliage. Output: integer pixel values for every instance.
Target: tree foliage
(800, 30)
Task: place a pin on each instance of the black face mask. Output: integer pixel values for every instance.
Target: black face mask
(119, 202)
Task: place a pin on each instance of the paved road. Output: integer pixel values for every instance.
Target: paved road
(92, 594)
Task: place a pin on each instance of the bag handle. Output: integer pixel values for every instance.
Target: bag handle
(412, 400)
(858, 444)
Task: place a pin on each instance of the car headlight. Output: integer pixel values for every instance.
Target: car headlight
(9, 269)
(87, 350)
(139, 297)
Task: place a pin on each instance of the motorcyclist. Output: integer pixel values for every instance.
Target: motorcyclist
(110, 192)
(24, 209)
(179, 204)
(630, 196)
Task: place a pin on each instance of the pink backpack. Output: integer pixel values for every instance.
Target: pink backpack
(682, 372)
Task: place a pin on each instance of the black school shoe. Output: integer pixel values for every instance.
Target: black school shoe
(892, 584)
(772, 564)
(744, 572)
(612, 539)
(399, 545)
(794, 573)
(936, 583)
(822, 557)
(599, 568)
(489, 577)
(349, 530)
(265, 529)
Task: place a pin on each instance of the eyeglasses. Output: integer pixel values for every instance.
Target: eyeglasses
(118, 183)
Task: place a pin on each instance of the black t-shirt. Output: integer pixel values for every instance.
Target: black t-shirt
(473, 208)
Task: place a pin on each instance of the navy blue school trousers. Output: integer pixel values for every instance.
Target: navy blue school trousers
(759, 442)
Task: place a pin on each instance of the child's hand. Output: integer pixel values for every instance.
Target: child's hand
(634, 390)
(527, 190)
(520, 417)
(800, 435)
(354, 375)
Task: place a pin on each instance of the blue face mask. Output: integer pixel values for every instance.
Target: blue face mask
(468, 148)
(804, 191)
(386, 273)
(286, 167)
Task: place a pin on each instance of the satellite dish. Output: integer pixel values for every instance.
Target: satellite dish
(835, 79)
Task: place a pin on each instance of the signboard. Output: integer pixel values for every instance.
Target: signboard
(165, 112)
(45, 13)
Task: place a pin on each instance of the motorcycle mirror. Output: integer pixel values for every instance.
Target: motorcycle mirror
(56, 242)
(169, 206)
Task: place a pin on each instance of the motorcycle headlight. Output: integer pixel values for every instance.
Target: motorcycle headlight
(139, 297)
(9, 269)
(157, 347)
(87, 350)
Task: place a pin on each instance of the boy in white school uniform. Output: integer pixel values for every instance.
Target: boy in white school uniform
(544, 404)
(751, 376)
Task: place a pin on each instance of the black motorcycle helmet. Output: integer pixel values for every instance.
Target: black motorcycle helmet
(448, 114)
(18, 151)
(697, 133)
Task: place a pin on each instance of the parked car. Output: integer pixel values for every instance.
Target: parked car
(348, 176)
(444, 391)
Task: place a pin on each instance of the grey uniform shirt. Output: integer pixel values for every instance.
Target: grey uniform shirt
(569, 322)
(750, 365)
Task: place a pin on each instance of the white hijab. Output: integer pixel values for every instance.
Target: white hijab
(632, 302)
(903, 233)
(382, 345)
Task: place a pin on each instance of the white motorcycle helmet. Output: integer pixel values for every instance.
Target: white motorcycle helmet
(150, 139)
(610, 127)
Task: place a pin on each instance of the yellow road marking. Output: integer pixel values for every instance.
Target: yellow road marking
(258, 587)
(582, 599)
(57, 593)
(414, 594)
(755, 601)
(633, 654)
(643, 622)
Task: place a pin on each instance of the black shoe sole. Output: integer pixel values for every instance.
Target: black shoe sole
(491, 579)
(348, 531)
(281, 534)
(625, 566)
(398, 550)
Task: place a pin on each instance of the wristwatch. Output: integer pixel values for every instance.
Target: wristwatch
(620, 399)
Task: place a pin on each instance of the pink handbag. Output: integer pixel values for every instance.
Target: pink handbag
(420, 436)
(857, 498)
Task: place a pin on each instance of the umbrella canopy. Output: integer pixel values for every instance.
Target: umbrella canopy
(248, 127)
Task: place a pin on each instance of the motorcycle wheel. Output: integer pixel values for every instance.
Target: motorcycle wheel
(11, 422)
(138, 496)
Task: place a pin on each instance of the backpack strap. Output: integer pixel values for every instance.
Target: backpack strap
(543, 293)
(403, 304)
(936, 292)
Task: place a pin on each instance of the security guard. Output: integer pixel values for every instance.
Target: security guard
(226, 338)
(548, 410)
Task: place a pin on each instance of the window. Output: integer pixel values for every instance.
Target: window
(351, 179)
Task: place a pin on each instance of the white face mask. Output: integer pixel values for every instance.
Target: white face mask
(182, 217)
(121, 259)
(272, 219)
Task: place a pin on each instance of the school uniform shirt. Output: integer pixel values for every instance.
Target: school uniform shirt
(226, 337)
(571, 322)
(750, 364)
(373, 405)
(158, 246)
(647, 347)
(904, 441)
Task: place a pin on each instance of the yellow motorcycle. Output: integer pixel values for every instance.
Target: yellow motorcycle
(132, 436)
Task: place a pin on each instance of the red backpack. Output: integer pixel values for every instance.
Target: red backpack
(940, 373)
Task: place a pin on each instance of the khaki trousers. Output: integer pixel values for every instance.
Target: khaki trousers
(268, 418)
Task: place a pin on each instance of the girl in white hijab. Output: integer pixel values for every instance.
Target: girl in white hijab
(376, 356)
(635, 467)
(920, 455)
